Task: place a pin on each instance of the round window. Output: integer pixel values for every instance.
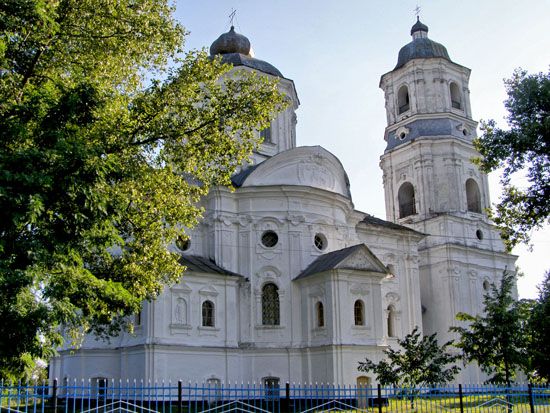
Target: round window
(183, 244)
(479, 234)
(320, 242)
(269, 239)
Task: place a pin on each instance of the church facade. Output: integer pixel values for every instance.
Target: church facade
(287, 282)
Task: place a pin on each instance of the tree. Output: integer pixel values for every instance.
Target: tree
(109, 137)
(524, 148)
(421, 361)
(539, 331)
(497, 339)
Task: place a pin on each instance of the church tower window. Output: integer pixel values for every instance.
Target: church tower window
(359, 313)
(403, 103)
(320, 311)
(456, 100)
(473, 196)
(208, 314)
(270, 305)
(407, 203)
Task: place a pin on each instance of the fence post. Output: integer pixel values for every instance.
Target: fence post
(460, 395)
(54, 395)
(180, 393)
(286, 405)
(531, 401)
(379, 398)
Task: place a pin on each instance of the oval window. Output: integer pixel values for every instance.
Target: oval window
(270, 239)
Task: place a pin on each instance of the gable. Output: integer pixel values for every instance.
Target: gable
(364, 260)
(358, 257)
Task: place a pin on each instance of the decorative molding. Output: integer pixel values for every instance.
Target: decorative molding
(181, 288)
(359, 289)
(269, 271)
(244, 221)
(208, 290)
(295, 219)
(392, 298)
(317, 292)
(312, 171)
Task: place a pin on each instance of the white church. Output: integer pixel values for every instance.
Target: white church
(287, 282)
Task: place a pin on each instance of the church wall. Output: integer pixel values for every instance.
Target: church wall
(452, 280)
(399, 251)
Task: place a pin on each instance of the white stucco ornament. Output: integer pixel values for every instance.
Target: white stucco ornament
(308, 166)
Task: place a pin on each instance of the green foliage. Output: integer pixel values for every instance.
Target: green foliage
(421, 361)
(108, 139)
(498, 338)
(524, 148)
(539, 332)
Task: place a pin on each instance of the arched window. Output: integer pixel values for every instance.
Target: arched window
(473, 196)
(407, 203)
(270, 305)
(320, 312)
(391, 321)
(359, 313)
(208, 314)
(456, 99)
(403, 100)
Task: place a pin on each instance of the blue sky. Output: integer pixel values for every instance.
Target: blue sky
(336, 51)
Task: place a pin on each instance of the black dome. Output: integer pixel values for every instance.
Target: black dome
(238, 59)
(421, 47)
(235, 49)
(419, 26)
(230, 42)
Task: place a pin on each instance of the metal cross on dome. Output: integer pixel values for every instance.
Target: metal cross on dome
(417, 11)
(232, 15)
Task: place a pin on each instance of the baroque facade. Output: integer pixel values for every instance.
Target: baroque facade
(286, 281)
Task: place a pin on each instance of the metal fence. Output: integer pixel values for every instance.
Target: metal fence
(109, 396)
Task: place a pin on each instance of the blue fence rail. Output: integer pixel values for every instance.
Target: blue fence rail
(110, 396)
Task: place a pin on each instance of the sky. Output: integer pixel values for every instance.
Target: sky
(336, 51)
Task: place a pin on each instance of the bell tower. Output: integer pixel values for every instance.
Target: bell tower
(432, 185)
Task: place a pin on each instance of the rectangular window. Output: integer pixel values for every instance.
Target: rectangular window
(265, 134)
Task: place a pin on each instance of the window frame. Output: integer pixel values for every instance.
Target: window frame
(359, 313)
(208, 314)
(271, 305)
